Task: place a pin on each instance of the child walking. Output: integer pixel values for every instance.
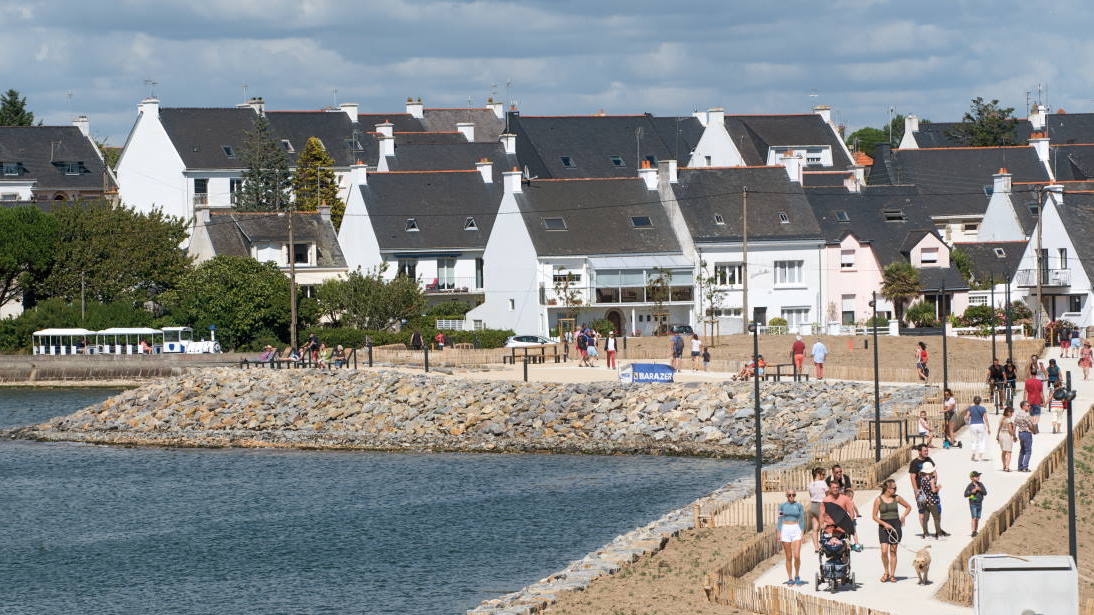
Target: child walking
(975, 492)
(706, 358)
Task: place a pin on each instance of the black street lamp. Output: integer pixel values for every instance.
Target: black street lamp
(877, 387)
(945, 352)
(1006, 316)
(993, 356)
(754, 329)
(1072, 543)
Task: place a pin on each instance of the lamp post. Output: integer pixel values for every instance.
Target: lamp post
(1007, 318)
(1072, 543)
(754, 329)
(877, 387)
(993, 356)
(945, 351)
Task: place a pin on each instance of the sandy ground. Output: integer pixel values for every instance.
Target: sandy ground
(668, 582)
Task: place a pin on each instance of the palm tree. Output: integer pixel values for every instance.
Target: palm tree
(899, 283)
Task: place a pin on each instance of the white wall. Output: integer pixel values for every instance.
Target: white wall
(716, 143)
(1000, 221)
(23, 190)
(357, 237)
(762, 290)
(150, 170)
(1053, 237)
(511, 272)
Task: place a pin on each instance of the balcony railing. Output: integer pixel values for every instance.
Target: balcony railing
(452, 286)
(201, 199)
(1028, 278)
(616, 295)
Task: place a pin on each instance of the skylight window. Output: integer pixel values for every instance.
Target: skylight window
(11, 168)
(1034, 208)
(285, 143)
(641, 222)
(783, 218)
(554, 224)
(893, 215)
(567, 162)
(228, 151)
(841, 216)
(411, 225)
(1000, 253)
(617, 161)
(718, 219)
(469, 224)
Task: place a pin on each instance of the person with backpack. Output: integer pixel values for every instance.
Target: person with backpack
(582, 343)
(677, 346)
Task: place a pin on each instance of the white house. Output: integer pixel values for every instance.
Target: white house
(755, 140)
(52, 163)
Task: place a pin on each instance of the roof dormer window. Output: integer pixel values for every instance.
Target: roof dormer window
(72, 168)
(617, 161)
(641, 222)
(1000, 253)
(567, 161)
(783, 218)
(893, 215)
(469, 224)
(841, 216)
(229, 151)
(718, 219)
(11, 169)
(285, 143)
(554, 224)
(411, 225)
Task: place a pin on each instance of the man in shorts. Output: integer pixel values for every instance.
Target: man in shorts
(677, 346)
(921, 458)
(1035, 395)
(820, 354)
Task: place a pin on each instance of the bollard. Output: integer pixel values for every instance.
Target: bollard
(526, 368)
(370, 356)
(425, 349)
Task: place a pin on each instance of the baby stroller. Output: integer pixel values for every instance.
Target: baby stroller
(835, 560)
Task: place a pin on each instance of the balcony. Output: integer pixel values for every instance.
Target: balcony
(201, 198)
(452, 286)
(614, 295)
(1028, 278)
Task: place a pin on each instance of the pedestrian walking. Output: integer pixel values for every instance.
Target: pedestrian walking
(820, 354)
(1086, 359)
(609, 349)
(1057, 408)
(1065, 342)
(818, 488)
(890, 524)
(582, 343)
(416, 340)
(696, 351)
(797, 355)
(789, 530)
(924, 427)
(1024, 428)
(930, 500)
(914, 470)
(676, 346)
(1053, 372)
(706, 358)
(976, 419)
(921, 362)
(1035, 397)
(975, 492)
(1005, 436)
(1076, 342)
(949, 410)
(841, 479)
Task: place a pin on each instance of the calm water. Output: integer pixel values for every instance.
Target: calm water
(126, 530)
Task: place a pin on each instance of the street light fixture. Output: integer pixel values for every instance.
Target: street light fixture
(754, 329)
(1066, 396)
(877, 386)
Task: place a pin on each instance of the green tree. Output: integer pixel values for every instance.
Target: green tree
(111, 253)
(27, 236)
(266, 178)
(868, 138)
(922, 314)
(986, 124)
(964, 264)
(110, 154)
(13, 110)
(365, 300)
(314, 183)
(658, 287)
(244, 298)
(899, 283)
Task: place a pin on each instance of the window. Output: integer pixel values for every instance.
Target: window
(1062, 252)
(512, 305)
(970, 227)
(469, 224)
(269, 252)
(724, 312)
(707, 159)
(846, 259)
(446, 273)
(1000, 253)
(554, 224)
(783, 218)
(893, 215)
(307, 290)
(285, 143)
(813, 155)
(234, 186)
(411, 225)
(408, 268)
(795, 316)
(1033, 208)
(617, 161)
(718, 219)
(847, 309)
(1075, 303)
(841, 216)
(727, 274)
(11, 169)
(201, 186)
(788, 272)
(300, 254)
(928, 256)
(978, 299)
(478, 272)
(567, 162)
(228, 151)
(562, 278)
(9, 196)
(641, 222)
(478, 325)
(72, 168)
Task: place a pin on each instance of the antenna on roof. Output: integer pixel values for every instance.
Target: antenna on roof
(334, 93)
(469, 108)
(508, 82)
(638, 147)
(68, 100)
(151, 84)
(243, 88)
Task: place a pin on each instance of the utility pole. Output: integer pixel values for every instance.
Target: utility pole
(1007, 319)
(292, 281)
(877, 386)
(993, 355)
(745, 316)
(754, 328)
(945, 353)
(82, 289)
(1040, 227)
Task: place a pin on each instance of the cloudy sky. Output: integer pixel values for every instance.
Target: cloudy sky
(561, 57)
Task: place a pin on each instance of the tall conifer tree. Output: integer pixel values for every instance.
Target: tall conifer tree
(314, 182)
(266, 178)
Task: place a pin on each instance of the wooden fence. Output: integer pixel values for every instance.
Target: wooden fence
(958, 586)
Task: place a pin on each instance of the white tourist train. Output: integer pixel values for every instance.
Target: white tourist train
(122, 340)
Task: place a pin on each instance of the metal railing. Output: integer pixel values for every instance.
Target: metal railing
(1027, 278)
(307, 360)
(201, 199)
(452, 285)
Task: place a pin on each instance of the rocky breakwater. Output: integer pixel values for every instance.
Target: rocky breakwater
(389, 410)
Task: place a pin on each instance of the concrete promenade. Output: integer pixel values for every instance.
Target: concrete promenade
(906, 596)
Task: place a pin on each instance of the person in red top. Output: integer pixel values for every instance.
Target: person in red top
(1035, 397)
(797, 354)
(921, 361)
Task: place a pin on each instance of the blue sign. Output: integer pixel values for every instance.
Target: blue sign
(646, 372)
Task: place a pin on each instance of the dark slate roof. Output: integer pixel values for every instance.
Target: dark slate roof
(402, 122)
(234, 233)
(937, 134)
(418, 138)
(439, 202)
(865, 219)
(681, 134)
(1072, 162)
(952, 181)
(488, 127)
(1077, 214)
(986, 263)
(1070, 128)
(703, 193)
(590, 141)
(39, 150)
(813, 179)
(333, 128)
(754, 134)
(597, 214)
(933, 278)
(449, 157)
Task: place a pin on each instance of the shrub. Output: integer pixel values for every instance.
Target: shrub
(777, 322)
(449, 309)
(977, 316)
(603, 326)
(355, 338)
(879, 322)
(922, 315)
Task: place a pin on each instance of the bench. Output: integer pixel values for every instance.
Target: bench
(515, 359)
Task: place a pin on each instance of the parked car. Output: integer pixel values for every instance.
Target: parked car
(518, 341)
(684, 330)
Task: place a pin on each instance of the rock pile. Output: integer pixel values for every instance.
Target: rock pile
(389, 410)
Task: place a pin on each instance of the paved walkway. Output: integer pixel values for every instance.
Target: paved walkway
(954, 465)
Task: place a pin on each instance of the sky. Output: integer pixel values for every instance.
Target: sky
(558, 57)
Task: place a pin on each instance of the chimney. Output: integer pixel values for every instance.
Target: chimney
(467, 129)
(351, 110)
(1037, 116)
(255, 103)
(648, 175)
(825, 112)
(414, 108)
(860, 177)
(911, 123)
(668, 168)
(1001, 183)
(81, 122)
(387, 129)
(701, 116)
(324, 212)
(358, 174)
(715, 115)
(487, 169)
(387, 145)
(512, 181)
(1040, 143)
(201, 214)
(793, 164)
(496, 107)
(911, 126)
(150, 107)
(509, 142)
